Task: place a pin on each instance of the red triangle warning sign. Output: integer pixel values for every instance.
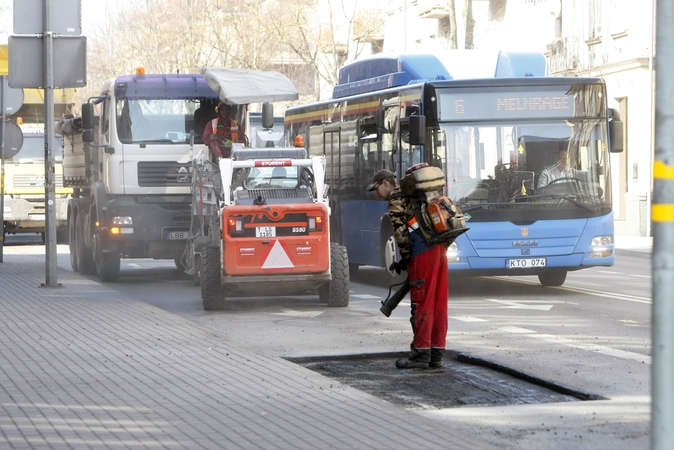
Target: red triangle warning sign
(277, 258)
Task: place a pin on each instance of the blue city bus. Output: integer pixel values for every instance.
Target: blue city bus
(493, 138)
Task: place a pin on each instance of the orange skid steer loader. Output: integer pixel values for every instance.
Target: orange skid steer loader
(260, 217)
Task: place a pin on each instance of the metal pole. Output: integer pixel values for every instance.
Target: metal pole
(662, 214)
(50, 197)
(2, 168)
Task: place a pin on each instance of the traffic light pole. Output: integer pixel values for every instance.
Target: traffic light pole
(662, 216)
(50, 184)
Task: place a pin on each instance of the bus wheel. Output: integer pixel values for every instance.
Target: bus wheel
(71, 244)
(336, 292)
(555, 278)
(211, 272)
(107, 263)
(85, 258)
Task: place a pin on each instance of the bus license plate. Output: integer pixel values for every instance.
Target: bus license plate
(525, 263)
(265, 232)
(176, 235)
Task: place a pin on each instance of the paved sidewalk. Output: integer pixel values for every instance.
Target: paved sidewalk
(639, 246)
(81, 366)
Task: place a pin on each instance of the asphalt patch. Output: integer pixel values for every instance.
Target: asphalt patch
(463, 381)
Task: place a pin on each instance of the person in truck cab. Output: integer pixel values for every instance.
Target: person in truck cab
(222, 131)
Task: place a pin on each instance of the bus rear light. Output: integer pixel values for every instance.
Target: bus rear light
(235, 226)
(315, 223)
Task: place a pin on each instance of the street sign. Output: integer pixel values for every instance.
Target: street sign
(13, 98)
(12, 139)
(66, 17)
(26, 62)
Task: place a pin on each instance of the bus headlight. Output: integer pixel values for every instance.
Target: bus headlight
(600, 247)
(453, 253)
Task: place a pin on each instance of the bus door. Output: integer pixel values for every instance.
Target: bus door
(331, 146)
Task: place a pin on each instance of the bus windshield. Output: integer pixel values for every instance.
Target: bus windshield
(543, 156)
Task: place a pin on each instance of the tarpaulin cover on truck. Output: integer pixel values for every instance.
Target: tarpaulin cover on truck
(242, 87)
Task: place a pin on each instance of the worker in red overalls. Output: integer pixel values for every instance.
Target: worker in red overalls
(222, 131)
(427, 272)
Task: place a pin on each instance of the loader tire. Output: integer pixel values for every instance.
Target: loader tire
(211, 272)
(336, 292)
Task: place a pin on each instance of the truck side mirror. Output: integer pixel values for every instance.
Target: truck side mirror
(615, 130)
(417, 130)
(87, 116)
(88, 135)
(267, 116)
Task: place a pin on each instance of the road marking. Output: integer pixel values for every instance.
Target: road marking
(642, 276)
(467, 319)
(517, 330)
(595, 348)
(607, 271)
(627, 298)
(589, 347)
(292, 313)
(366, 296)
(510, 304)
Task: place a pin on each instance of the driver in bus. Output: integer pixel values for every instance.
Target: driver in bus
(560, 170)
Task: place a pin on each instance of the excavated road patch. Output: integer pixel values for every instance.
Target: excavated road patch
(463, 381)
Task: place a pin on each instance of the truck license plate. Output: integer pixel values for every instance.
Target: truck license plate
(265, 232)
(176, 235)
(525, 263)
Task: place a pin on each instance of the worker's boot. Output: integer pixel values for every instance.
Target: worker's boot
(436, 358)
(419, 359)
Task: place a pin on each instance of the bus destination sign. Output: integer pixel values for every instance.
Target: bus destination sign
(456, 104)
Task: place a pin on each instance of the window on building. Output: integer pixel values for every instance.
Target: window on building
(595, 18)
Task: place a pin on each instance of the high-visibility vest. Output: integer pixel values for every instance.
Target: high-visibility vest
(233, 128)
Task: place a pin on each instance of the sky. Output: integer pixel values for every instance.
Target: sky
(92, 12)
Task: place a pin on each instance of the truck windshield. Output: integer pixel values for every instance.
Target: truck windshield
(157, 121)
(33, 151)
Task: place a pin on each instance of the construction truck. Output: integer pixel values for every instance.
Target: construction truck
(24, 207)
(128, 159)
(24, 201)
(260, 218)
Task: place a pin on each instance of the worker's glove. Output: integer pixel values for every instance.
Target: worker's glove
(226, 143)
(399, 266)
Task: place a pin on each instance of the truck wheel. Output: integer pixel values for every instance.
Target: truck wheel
(85, 258)
(555, 278)
(107, 264)
(336, 292)
(211, 272)
(71, 243)
(63, 236)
